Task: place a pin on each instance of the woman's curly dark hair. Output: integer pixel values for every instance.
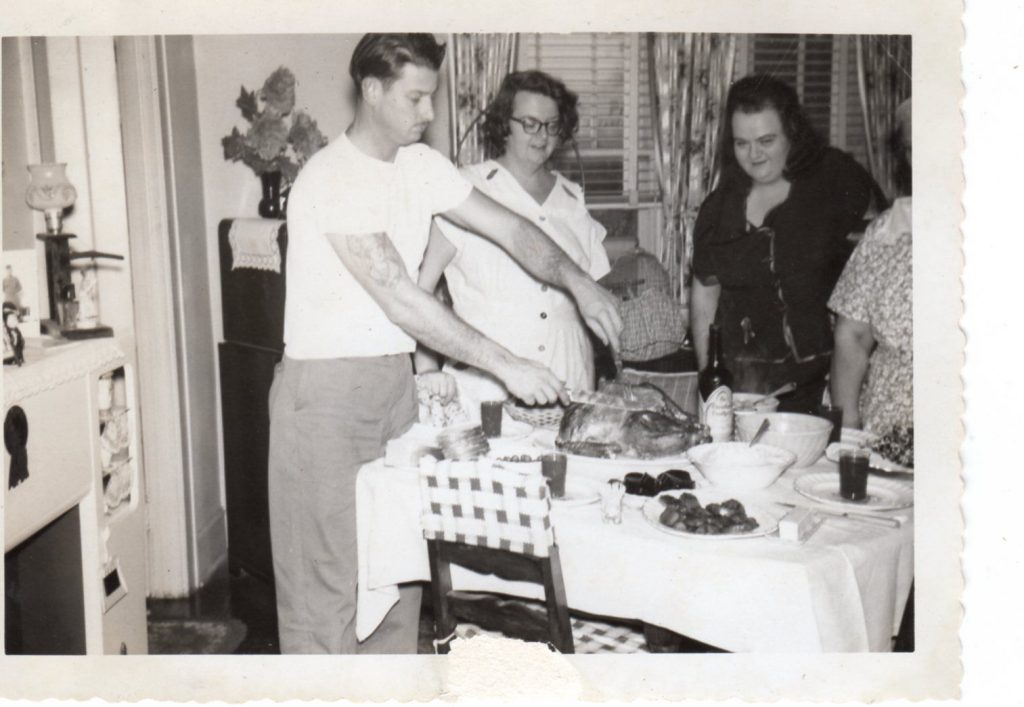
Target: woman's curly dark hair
(496, 128)
(753, 94)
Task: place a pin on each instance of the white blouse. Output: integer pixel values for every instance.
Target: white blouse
(493, 293)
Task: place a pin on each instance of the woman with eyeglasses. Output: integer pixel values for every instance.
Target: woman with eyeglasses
(531, 116)
(770, 242)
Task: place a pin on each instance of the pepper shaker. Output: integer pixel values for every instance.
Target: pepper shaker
(611, 501)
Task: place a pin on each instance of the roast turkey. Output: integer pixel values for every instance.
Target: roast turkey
(628, 421)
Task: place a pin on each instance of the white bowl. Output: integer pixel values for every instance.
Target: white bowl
(765, 405)
(736, 466)
(804, 435)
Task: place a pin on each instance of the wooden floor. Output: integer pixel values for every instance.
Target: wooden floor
(250, 600)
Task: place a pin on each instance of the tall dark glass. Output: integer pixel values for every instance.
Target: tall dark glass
(715, 386)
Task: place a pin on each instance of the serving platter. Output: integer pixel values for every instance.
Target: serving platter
(767, 518)
(617, 466)
(883, 494)
(621, 465)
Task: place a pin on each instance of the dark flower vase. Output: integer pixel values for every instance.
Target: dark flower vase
(270, 204)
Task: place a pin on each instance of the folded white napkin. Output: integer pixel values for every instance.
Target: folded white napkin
(254, 244)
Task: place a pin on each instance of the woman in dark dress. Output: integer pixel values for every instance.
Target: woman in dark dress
(770, 243)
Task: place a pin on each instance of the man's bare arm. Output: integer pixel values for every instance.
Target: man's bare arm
(436, 258)
(541, 257)
(426, 361)
(377, 266)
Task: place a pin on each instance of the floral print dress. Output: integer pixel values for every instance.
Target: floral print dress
(876, 287)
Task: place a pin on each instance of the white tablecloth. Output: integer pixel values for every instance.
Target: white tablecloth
(842, 590)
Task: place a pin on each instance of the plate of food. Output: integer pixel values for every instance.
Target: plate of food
(892, 453)
(520, 459)
(883, 494)
(707, 514)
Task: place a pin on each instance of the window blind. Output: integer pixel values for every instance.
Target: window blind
(609, 74)
(805, 63)
(847, 125)
(823, 69)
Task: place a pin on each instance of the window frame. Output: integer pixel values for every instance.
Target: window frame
(632, 150)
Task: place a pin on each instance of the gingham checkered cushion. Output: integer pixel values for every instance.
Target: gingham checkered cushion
(478, 503)
(599, 637)
(653, 326)
(587, 636)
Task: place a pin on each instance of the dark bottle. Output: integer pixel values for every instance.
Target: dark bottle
(715, 386)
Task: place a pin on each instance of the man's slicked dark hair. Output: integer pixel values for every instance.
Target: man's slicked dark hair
(382, 56)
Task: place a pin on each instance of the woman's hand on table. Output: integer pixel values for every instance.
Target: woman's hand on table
(438, 385)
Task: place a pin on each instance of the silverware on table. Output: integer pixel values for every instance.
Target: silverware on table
(781, 390)
(765, 424)
(850, 515)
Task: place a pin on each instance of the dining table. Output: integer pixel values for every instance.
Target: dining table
(843, 589)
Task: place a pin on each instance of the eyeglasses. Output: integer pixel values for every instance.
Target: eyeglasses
(532, 126)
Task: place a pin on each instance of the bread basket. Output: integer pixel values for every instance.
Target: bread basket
(547, 416)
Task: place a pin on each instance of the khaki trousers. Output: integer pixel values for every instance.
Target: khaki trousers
(328, 417)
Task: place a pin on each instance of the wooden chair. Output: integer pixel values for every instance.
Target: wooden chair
(490, 520)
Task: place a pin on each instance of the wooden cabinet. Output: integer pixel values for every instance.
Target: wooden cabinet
(58, 455)
(246, 373)
(252, 303)
(74, 526)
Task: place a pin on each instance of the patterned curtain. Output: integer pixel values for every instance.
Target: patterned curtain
(883, 77)
(690, 76)
(477, 64)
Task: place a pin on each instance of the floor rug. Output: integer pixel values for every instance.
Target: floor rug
(195, 637)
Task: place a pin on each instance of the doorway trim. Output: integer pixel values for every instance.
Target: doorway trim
(172, 567)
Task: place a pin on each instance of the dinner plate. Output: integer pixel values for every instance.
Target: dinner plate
(511, 431)
(883, 494)
(767, 518)
(514, 429)
(578, 492)
(859, 439)
(877, 462)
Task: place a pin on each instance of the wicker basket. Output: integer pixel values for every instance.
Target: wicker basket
(654, 321)
(548, 416)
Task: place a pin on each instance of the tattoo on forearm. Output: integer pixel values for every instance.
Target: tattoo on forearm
(382, 262)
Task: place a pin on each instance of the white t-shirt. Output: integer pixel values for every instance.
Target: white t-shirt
(341, 190)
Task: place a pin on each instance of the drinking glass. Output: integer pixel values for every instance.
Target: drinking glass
(490, 418)
(853, 474)
(552, 466)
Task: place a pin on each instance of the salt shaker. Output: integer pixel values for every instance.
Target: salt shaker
(611, 501)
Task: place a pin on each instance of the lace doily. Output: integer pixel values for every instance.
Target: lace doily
(57, 365)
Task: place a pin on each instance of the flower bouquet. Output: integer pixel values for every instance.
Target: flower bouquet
(279, 139)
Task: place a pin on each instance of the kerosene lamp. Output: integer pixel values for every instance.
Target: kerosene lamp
(50, 191)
